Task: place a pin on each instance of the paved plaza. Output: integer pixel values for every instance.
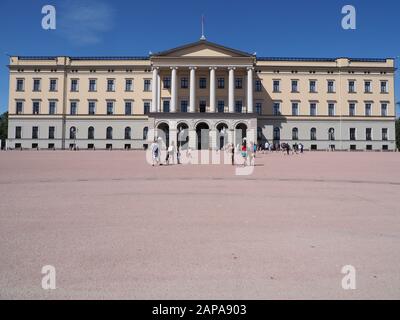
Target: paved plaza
(116, 228)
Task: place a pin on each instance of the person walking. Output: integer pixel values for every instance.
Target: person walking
(155, 150)
(244, 153)
(232, 151)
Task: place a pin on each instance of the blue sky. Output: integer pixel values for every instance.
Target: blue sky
(290, 28)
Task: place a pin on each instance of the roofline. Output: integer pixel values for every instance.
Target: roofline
(322, 59)
(116, 58)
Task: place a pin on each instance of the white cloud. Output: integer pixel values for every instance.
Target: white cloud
(84, 22)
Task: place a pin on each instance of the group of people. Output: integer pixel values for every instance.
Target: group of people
(170, 154)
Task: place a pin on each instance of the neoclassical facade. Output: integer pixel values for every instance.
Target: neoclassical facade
(201, 95)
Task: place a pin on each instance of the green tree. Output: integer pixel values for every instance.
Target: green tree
(3, 128)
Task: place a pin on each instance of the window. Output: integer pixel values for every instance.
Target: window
(19, 108)
(53, 85)
(20, 85)
(352, 109)
(145, 133)
(368, 109)
(109, 134)
(258, 86)
(368, 134)
(74, 85)
(258, 108)
(52, 107)
(384, 87)
(36, 85)
(72, 133)
(110, 85)
(92, 107)
(277, 108)
(238, 106)
(295, 87)
(295, 134)
(92, 85)
(166, 105)
(238, 83)
(36, 107)
(313, 86)
(147, 85)
(184, 106)
(203, 83)
(221, 83)
(35, 133)
(184, 83)
(167, 82)
(128, 131)
(383, 109)
(331, 86)
(277, 133)
(352, 134)
(276, 86)
(110, 108)
(313, 134)
(331, 109)
(367, 86)
(51, 132)
(331, 134)
(295, 108)
(90, 133)
(352, 86)
(384, 134)
(128, 108)
(73, 108)
(313, 109)
(146, 107)
(221, 106)
(18, 132)
(128, 85)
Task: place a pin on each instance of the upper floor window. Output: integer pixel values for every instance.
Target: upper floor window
(110, 85)
(384, 87)
(384, 134)
(20, 85)
(313, 109)
(238, 83)
(367, 87)
(352, 86)
(276, 86)
(167, 82)
(331, 86)
(295, 86)
(203, 83)
(313, 86)
(128, 108)
(74, 85)
(258, 108)
(92, 107)
(184, 106)
(352, 109)
(147, 85)
(221, 106)
(295, 108)
(221, 83)
(110, 108)
(36, 107)
(277, 108)
(166, 105)
(384, 108)
(331, 109)
(258, 85)
(184, 83)
(53, 85)
(52, 107)
(92, 85)
(73, 108)
(238, 106)
(146, 107)
(19, 108)
(129, 85)
(36, 85)
(368, 107)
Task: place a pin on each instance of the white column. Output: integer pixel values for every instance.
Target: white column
(174, 89)
(192, 102)
(231, 103)
(250, 90)
(212, 89)
(154, 91)
(158, 92)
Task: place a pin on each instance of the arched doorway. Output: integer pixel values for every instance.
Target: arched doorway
(241, 133)
(182, 136)
(222, 135)
(163, 133)
(203, 136)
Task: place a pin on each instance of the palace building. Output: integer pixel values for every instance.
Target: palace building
(201, 95)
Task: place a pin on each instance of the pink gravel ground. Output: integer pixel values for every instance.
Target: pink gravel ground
(116, 228)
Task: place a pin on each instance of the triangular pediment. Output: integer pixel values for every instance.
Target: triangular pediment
(203, 49)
